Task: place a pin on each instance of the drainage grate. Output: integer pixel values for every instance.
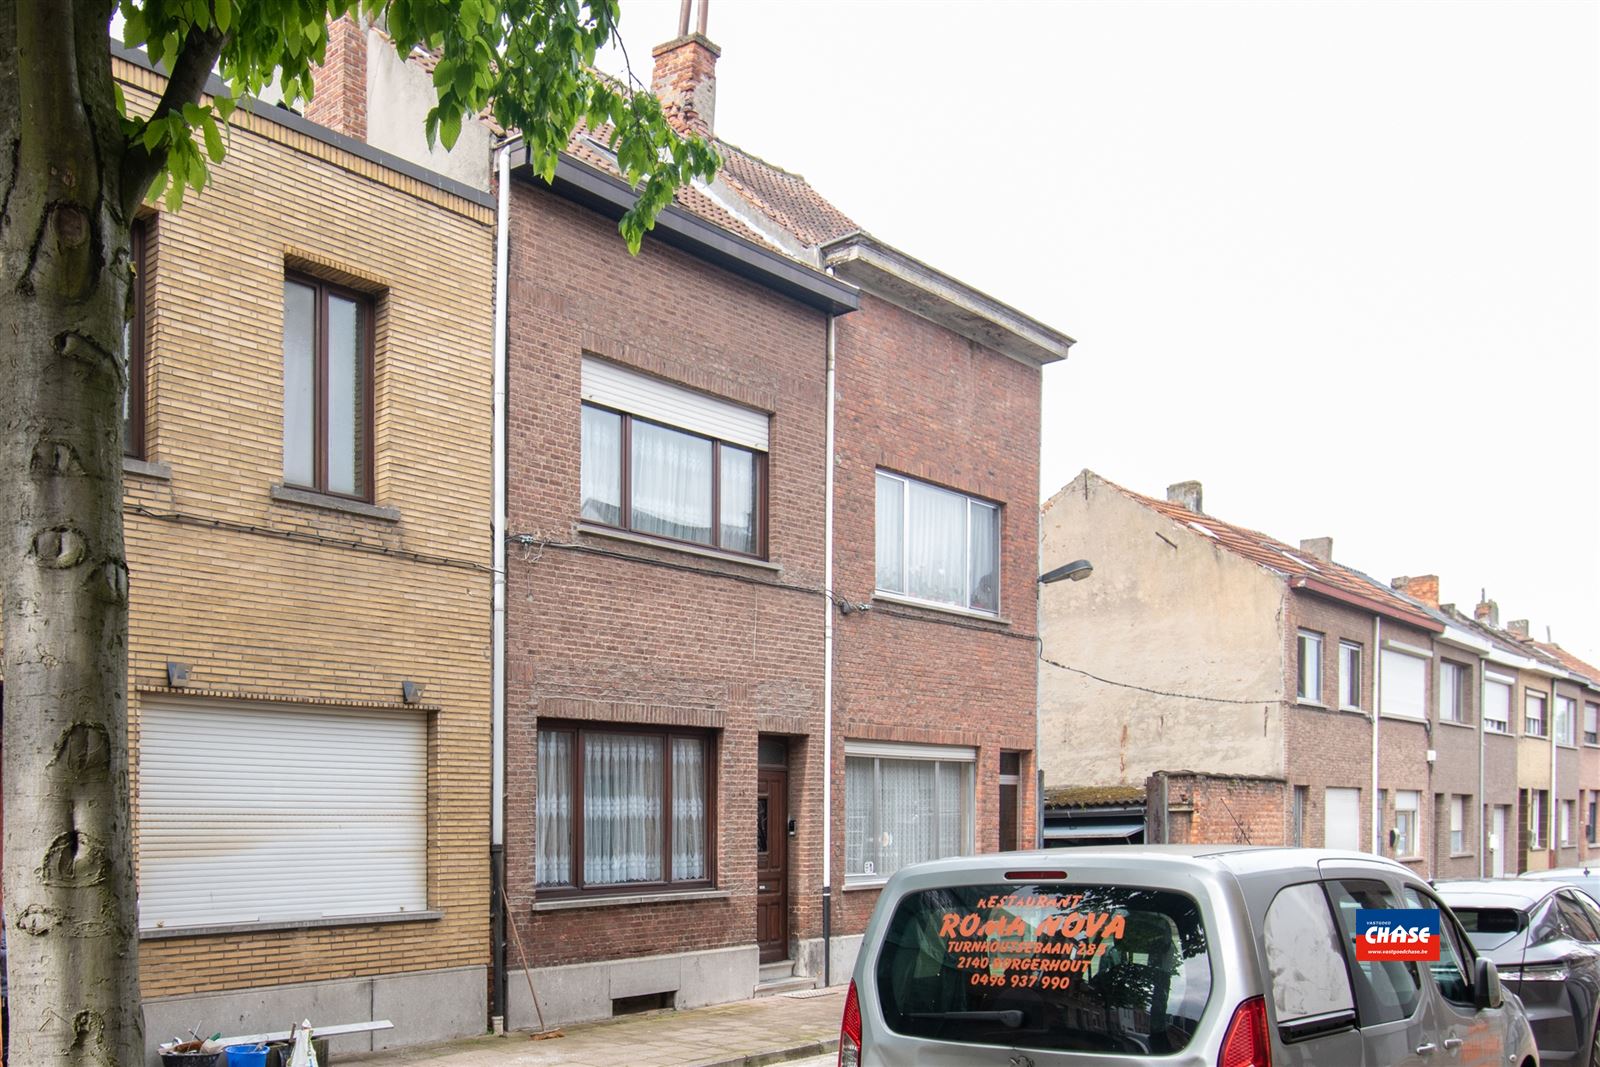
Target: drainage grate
(807, 994)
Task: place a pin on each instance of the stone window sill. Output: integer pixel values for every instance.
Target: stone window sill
(1460, 726)
(1319, 705)
(630, 899)
(943, 609)
(284, 494)
(145, 468)
(161, 933)
(593, 530)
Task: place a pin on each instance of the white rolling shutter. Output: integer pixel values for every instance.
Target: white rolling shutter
(261, 813)
(1341, 814)
(651, 398)
(1405, 685)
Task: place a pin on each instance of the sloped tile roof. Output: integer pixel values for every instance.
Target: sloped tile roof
(787, 199)
(1300, 568)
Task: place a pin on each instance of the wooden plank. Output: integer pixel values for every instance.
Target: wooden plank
(316, 1031)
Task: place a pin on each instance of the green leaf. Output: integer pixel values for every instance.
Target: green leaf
(214, 147)
(449, 128)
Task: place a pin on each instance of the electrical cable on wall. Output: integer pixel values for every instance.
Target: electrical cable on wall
(1155, 692)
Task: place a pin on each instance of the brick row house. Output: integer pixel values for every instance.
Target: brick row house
(767, 636)
(306, 481)
(1259, 691)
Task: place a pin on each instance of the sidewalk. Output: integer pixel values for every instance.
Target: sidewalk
(746, 1033)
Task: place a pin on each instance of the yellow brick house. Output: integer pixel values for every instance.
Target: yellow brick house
(307, 497)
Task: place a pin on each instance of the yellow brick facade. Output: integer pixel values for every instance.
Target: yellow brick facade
(273, 600)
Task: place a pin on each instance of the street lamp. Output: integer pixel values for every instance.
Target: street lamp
(1076, 571)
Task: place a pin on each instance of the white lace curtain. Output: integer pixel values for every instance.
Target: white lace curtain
(602, 466)
(738, 517)
(688, 809)
(670, 483)
(554, 812)
(621, 809)
(903, 811)
(936, 543)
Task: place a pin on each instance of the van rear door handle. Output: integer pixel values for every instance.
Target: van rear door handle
(1451, 1042)
(1423, 1050)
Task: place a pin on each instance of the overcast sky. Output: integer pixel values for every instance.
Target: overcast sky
(1340, 262)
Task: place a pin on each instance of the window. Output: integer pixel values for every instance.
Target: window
(1566, 720)
(1591, 831)
(1301, 794)
(1533, 714)
(1349, 675)
(1591, 724)
(1566, 823)
(904, 804)
(623, 807)
(1496, 707)
(1341, 818)
(1458, 823)
(345, 832)
(670, 462)
(1536, 819)
(1405, 684)
(937, 545)
(1448, 972)
(1452, 691)
(1386, 990)
(133, 342)
(327, 388)
(1308, 685)
(1305, 960)
(1405, 822)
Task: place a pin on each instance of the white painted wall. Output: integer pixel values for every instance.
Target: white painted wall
(399, 96)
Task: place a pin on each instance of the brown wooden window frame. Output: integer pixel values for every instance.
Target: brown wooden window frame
(574, 886)
(133, 431)
(625, 509)
(367, 310)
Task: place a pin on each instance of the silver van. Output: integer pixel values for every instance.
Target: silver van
(1186, 955)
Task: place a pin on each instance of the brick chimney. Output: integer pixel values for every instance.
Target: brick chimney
(340, 102)
(1487, 612)
(684, 78)
(1424, 587)
(1186, 494)
(1518, 627)
(1320, 547)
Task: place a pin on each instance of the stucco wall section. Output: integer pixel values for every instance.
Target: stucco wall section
(1166, 609)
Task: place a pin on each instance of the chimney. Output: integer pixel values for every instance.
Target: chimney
(1424, 587)
(340, 101)
(1320, 547)
(684, 78)
(1487, 612)
(1518, 627)
(1187, 494)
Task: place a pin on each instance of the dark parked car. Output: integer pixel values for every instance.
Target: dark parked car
(1585, 878)
(1545, 939)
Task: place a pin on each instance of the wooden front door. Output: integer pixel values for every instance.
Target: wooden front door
(772, 856)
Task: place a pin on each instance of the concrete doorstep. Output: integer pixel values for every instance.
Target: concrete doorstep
(748, 1033)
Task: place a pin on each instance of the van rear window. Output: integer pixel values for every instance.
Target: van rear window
(1086, 968)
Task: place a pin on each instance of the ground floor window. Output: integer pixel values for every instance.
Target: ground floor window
(623, 806)
(905, 804)
(278, 813)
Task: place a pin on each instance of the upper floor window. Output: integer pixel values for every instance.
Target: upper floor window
(1566, 720)
(1452, 692)
(663, 460)
(1496, 706)
(937, 545)
(1349, 674)
(1308, 684)
(1405, 683)
(1533, 714)
(133, 341)
(1591, 724)
(327, 388)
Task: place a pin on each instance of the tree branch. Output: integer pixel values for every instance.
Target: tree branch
(189, 73)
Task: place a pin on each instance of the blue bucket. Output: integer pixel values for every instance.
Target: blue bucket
(247, 1055)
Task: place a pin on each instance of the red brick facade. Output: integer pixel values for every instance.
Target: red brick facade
(1214, 809)
(340, 102)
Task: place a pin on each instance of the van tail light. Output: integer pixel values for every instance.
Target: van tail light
(1246, 1044)
(850, 1031)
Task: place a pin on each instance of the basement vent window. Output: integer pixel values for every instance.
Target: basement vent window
(638, 1005)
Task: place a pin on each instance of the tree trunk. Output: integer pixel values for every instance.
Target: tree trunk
(69, 892)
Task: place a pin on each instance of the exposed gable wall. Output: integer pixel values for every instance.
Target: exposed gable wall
(1167, 609)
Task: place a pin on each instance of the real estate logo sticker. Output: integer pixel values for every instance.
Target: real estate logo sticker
(1397, 934)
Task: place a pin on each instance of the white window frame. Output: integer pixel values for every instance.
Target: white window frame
(940, 754)
(1407, 822)
(1308, 639)
(1458, 824)
(1566, 716)
(1498, 684)
(1349, 650)
(1453, 681)
(1529, 696)
(1391, 656)
(1591, 723)
(965, 606)
(1536, 819)
(1566, 823)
